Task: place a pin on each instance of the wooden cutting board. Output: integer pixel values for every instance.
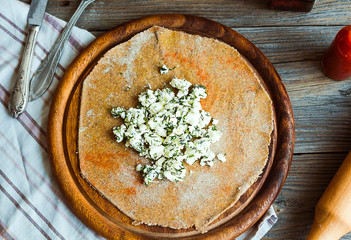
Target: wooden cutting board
(105, 218)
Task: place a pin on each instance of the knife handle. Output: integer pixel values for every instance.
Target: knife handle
(19, 94)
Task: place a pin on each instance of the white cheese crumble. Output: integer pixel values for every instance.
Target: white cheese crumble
(168, 129)
(221, 157)
(164, 69)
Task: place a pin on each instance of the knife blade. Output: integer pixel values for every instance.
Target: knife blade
(19, 94)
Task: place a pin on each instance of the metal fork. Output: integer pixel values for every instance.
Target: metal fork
(42, 78)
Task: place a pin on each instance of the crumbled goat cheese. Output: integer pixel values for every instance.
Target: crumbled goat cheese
(168, 129)
(164, 69)
(221, 157)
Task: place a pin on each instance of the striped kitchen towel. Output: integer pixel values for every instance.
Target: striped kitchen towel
(31, 205)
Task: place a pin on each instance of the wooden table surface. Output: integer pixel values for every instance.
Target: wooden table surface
(294, 43)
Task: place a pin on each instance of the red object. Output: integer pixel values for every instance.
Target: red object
(336, 62)
(292, 5)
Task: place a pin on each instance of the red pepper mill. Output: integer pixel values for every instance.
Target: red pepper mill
(336, 62)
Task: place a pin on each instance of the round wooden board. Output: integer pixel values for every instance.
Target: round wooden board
(105, 218)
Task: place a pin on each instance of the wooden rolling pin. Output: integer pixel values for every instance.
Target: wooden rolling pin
(333, 211)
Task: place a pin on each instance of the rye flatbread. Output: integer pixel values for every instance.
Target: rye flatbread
(236, 98)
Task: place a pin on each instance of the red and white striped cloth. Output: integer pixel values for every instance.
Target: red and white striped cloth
(31, 205)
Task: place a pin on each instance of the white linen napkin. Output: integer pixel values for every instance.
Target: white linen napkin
(31, 205)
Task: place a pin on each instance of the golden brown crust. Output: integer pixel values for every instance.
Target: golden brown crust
(235, 97)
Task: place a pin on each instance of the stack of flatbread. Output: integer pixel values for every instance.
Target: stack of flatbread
(236, 97)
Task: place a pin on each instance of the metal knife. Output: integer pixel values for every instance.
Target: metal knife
(19, 94)
(44, 75)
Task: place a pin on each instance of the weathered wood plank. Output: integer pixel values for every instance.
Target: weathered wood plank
(288, 44)
(291, 44)
(309, 175)
(106, 14)
(322, 112)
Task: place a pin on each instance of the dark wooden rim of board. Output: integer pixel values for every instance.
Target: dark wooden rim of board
(84, 206)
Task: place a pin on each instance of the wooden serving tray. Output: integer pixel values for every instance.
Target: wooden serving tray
(105, 218)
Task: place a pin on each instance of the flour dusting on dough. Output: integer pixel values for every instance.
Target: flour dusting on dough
(127, 56)
(235, 97)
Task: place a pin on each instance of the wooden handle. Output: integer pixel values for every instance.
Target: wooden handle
(333, 211)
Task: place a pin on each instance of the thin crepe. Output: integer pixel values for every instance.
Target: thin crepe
(235, 97)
